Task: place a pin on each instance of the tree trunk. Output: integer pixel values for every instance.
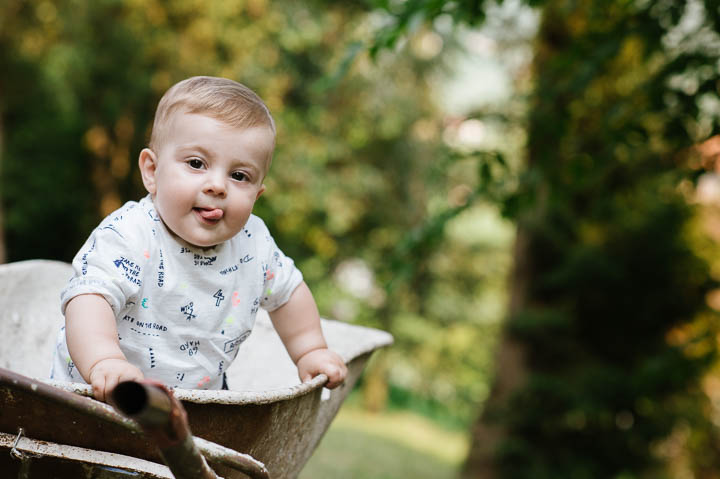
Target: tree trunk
(510, 373)
(511, 369)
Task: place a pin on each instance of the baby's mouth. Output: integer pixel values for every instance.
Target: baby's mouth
(209, 214)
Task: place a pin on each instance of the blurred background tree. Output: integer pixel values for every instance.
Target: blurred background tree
(394, 216)
(609, 334)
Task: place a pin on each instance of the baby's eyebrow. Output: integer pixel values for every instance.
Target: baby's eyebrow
(244, 164)
(200, 149)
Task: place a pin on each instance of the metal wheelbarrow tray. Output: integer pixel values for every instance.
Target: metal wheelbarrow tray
(267, 414)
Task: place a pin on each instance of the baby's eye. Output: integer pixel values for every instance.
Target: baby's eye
(239, 176)
(195, 163)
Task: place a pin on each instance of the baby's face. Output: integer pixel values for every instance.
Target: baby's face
(206, 177)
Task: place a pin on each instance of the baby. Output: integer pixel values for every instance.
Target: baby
(168, 287)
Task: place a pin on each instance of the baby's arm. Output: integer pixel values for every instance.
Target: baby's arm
(298, 325)
(92, 341)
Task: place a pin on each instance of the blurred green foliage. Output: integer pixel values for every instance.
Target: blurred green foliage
(382, 217)
(609, 337)
(611, 274)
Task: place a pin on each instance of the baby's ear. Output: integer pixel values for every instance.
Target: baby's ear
(148, 165)
(260, 191)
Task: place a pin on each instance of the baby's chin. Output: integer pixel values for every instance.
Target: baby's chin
(200, 245)
(194, 243)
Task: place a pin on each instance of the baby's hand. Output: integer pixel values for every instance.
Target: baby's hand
(107, 373)
(322, 361)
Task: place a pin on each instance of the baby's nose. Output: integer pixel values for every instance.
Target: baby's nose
(215, 185)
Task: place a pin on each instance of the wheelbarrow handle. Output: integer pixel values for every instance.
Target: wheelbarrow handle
(164, 419)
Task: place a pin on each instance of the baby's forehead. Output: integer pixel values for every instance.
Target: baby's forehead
(177, 120)
(224, 121)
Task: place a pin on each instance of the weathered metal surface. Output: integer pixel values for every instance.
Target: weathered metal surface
(147, 404)
(48, 413)
(267, 413)
(48, 460)
(30, 314)
(280, 434)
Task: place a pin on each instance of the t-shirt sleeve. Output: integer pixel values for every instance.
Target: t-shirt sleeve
(109, 264)
(280, 276)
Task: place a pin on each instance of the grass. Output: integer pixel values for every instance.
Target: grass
(389, 445)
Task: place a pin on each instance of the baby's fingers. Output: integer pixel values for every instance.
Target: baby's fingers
(336, 375)
(98, 385)
(306, 378)
(132, 374)
(111, 380)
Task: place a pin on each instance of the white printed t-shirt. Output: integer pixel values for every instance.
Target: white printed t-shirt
(182, 312)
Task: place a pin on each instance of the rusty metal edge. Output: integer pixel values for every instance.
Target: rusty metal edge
(34, 447)
(200, 396)
(85, 405)
(104, 412)
(221, 455)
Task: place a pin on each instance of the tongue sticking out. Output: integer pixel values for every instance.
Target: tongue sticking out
(212, 214)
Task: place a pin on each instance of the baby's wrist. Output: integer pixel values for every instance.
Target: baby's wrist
(101, 361)
(310, 352)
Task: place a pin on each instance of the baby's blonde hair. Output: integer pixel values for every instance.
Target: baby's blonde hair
(220, 98)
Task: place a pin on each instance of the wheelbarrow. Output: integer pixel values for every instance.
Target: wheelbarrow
(267, 425)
